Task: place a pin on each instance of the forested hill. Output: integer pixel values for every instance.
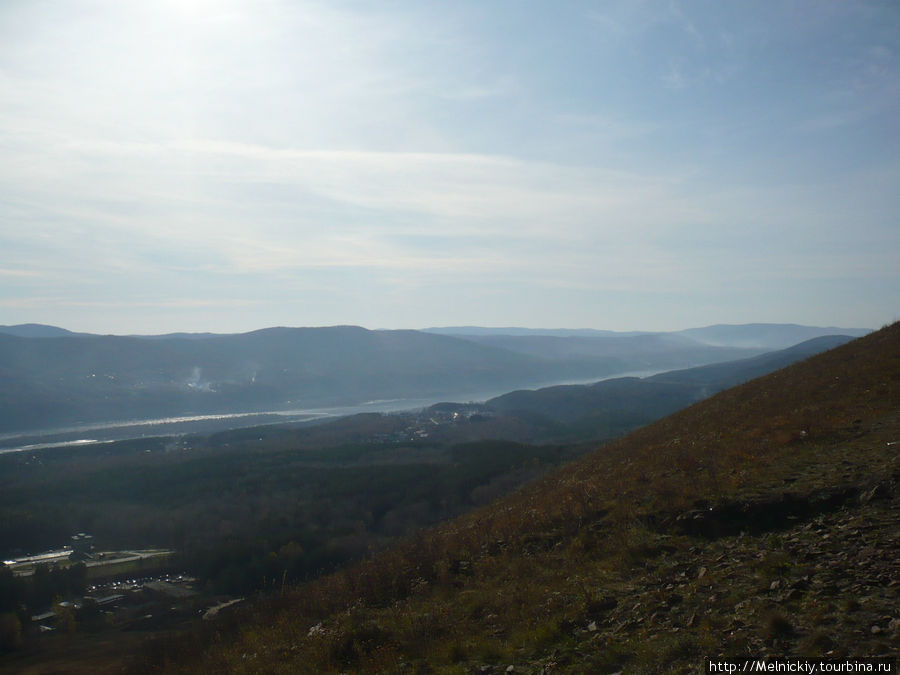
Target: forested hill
(607, 408)
(755, 335)
(51, 377)
(760, 521)
(97, 378)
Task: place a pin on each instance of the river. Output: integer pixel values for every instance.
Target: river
(108, 432)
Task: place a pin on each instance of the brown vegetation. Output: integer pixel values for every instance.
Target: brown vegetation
(597, 566)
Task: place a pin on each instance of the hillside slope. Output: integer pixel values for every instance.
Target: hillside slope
(762, 521)
(608, 408)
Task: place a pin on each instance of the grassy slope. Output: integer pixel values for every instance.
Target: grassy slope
(590, 568)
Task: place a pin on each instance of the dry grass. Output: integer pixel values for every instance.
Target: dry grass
(520, 580)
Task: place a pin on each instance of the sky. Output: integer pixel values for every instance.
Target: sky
(228, 165)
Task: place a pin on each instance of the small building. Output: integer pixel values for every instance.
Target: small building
(44, 617)
(105, 601)
(82, 545)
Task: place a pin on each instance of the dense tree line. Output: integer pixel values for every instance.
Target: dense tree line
(20, 596)
(251, 515)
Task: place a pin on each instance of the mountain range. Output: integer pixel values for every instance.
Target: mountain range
(642, 400)
(52, 377)
(760, 520)
(751, 335)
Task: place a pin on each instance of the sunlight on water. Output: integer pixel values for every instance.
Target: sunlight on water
(44, 446)
(107, 432)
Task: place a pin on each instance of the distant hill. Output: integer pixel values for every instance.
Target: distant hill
(643, 351)
(35, 330)
(651, 351)
(184, 336)
(99, 378)
(552, 332)
(75, 378)
(761, 521)
(613, 406)
(764, 335)
(720, 376)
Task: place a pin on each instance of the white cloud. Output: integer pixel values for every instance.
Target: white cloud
(6, 272)
(255, 147)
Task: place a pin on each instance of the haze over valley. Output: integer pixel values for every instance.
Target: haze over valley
(55, 379)
(449, 337)
(213, 517)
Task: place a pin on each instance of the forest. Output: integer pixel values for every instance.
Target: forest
(242, 514)
(253, 510)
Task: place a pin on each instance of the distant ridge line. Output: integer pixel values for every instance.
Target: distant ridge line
(47, 330)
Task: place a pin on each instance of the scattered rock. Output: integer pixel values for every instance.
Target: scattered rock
(604, 604)
(880, 491)
(801, 584)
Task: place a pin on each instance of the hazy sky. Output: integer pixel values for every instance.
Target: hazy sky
(228, 165)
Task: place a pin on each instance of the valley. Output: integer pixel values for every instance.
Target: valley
(449, 338)
(759, 524)
(250, 512)
(58, 379)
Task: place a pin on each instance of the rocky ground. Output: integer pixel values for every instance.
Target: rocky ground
(826, 587)
(807, 565)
